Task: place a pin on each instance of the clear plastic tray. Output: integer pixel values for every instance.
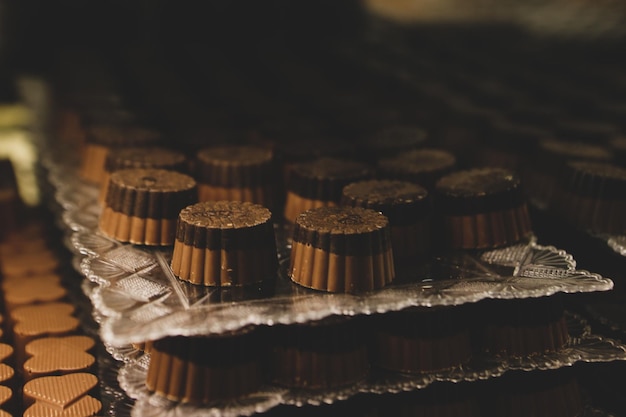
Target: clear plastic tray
(140, 299)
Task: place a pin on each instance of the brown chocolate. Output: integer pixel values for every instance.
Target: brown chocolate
(145, 157)
(32, 291)
(142, 205)
(323, 179)
(481, 208)
(523, 327)
(224, 243)
(202, 370)
(341, 249)
(421, 166)
(235, 166)
(86, 406)
(55, 355)
(393, 140)
(60, 392)
(400, 201)
(320, 355)
(422, 340)
(32, 321)
(149, 157)
(101, 139)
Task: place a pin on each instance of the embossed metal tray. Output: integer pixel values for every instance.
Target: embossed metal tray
(583, 347)
(140, 299)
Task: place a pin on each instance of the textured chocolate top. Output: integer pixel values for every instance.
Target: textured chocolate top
(569, 149)
(235, 166)
(423, 166)
(324, 178)
(402, 202)
(309, 149)
(150, 193)
(596, 179)
(148, 157)
(478, 191)
(395, 139)
(343, 230)
(122, 136)
(225, 225)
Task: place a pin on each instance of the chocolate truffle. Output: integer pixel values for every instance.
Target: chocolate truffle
(481, 208)
(142, 205)
(236, 173)
(523, 327)
(541, 175)
(406, 206)
(593, 197)
(102, 139)
(392, 141)
(136, 157)
(203, 370)
(225, 243)
(341, 249)
(426, 339)
(319, 355)
(420, 166)
(319, 183)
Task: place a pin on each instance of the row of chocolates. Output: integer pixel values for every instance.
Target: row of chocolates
(341, 351)
(53, 362)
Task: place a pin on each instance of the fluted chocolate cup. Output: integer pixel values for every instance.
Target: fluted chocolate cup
(342, 249)
(102, 139)
(542, 174)
(419, 166)
(138, 157)
(407, 208)
(319, 183)
(593, 197)
(236, 173)
(142, 205)
(321, 355)
(225, 243)
(419, 340)
(481, 208)
(203, 370)
(523, 327)
(392, 141)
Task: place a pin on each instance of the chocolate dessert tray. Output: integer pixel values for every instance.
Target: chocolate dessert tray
(140, 299)
(583, 347)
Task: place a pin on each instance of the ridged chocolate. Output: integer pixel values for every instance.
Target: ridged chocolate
(321, 355)
(423, 339)
(113, 136)
(235, 166)
(393, 140)
(150, 193)
(553, 154)
(227, 225)
(618, 146)
(148, 157)
(476, 191)
(350, 231)
(523, 327)
(206, 369)
(295, 151)
(421, 166)
(401, 202)
(324, 178)
(600, 180)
